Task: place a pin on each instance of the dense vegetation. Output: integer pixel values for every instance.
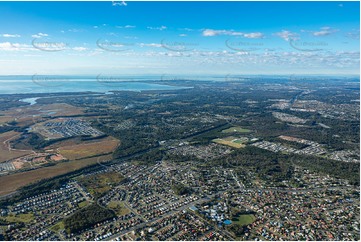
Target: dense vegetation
(87, 217)
(180, 189)
(277, 167)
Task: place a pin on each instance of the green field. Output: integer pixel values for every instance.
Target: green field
(244, 219)
(57, 227)
(236, 129)
(83, 204)
(24, 217)
(237, 141)
(231, 141)
(118, 207)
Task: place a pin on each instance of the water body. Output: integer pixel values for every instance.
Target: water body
(31, 100)
(25, 85)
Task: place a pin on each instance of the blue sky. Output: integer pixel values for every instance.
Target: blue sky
(195, 38)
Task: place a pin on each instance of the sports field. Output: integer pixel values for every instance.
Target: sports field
(231, 141)
(244, 219)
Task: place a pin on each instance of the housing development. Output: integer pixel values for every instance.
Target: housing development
(203, 163)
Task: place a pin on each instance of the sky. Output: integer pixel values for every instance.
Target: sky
(183, 38)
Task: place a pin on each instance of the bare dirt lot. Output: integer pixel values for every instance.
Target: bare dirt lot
(13, 182)
(6, 152)
(78, 151)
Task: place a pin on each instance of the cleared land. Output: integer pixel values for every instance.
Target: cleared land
(15, 181)
(230, 141)
(5, 119)
(79, 151)
(6, 153)
(236, 129)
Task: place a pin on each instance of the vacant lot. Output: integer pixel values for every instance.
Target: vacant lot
(118, 207)
(236, 129)
(99, 184)
(58, 227)
(24, 217)
(6, 153)
(79, 151)
(13, 182)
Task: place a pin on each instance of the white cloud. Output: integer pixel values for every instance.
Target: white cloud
(158, 28)
(186, 29)
(354, 34)
(79, 48)
(119, 3)
(7, 46)
(126, 27)
(212, 32)
(39, 35)
(182, 35)
(324, 31)
(150, 45)
(11, 35)
(287, 35)
(256, 35)
(75, 30)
